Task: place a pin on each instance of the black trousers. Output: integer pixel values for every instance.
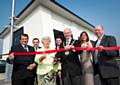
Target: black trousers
(71, 80)
(106, 81)
(27, 81)
(57, 80)
(110, 81)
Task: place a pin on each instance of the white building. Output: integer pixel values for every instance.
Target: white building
(45, 17)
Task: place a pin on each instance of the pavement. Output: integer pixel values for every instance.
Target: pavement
(2, 80)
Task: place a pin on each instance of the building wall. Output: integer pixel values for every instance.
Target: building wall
(60, 23)
(33, 25)
(6, 45)
(41, 22)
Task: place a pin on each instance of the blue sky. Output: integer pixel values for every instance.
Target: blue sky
(5, 10)
(105, 12)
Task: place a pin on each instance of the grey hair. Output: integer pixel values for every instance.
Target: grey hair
(45, 38)
(101, 26)
(68, 29)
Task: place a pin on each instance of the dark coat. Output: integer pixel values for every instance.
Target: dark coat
(70, 63)
(21, 62)
(107, 64)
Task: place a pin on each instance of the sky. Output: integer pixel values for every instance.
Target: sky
(104, 12)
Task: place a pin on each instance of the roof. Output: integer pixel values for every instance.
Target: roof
(71, 12)
(53, 6)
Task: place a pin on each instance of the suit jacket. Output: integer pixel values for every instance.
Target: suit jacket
(21, 62)
(107, 64)
(37, 48)
(70, 62)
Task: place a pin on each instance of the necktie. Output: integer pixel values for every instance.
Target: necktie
(67, 41)
(96, 51)
(95, 56)
(25, 48)
(36, 48)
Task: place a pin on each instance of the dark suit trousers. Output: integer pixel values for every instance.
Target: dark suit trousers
(27, 81)
(106, 81)
(71, 80)
(110, 81)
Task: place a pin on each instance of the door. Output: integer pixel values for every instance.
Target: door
(16, 36)
(58, 33)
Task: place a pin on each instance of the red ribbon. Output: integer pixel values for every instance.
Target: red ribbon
(62, 49)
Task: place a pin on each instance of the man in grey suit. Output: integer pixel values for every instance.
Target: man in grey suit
(104, 60)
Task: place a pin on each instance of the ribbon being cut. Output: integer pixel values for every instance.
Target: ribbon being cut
(62, 49)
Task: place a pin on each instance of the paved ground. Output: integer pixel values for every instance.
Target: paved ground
(2, 80)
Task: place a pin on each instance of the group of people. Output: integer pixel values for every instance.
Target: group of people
(68, 67)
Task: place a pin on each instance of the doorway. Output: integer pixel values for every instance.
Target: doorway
(16, 36)
(58, 33)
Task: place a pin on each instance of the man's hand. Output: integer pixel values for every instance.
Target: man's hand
(11, 56)
(101, 48)
(68, 47)
(31, 66)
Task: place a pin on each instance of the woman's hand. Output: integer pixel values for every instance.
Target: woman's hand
(42, 58)
(59, 74)
(55, 61)
(84, 45)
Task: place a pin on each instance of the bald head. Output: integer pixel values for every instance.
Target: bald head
(99, 30)
(67, 33)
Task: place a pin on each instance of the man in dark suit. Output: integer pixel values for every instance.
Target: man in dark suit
(23, 65)
(58, 44)
(36, 46)
(104, 60)
(71, 67)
